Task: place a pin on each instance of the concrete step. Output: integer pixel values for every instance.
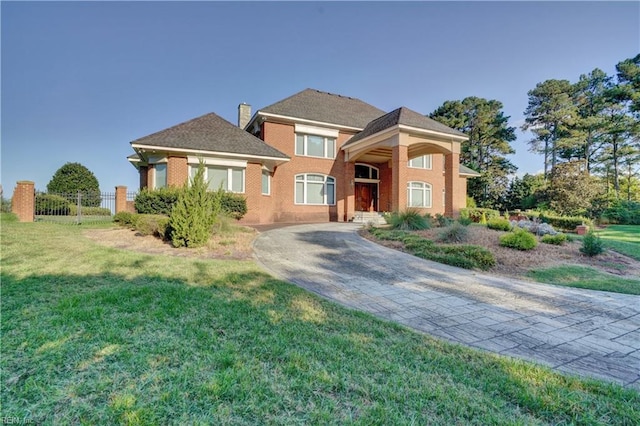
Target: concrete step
(369, 217)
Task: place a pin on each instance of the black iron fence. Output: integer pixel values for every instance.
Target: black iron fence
(75, 208)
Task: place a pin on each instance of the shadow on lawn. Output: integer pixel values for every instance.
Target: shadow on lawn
(105, 348)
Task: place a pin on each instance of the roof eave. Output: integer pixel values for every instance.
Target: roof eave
(210, 153)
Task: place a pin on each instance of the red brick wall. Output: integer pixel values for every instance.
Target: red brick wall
(23, 202)
(144, 176)
(436, 178)
(399, 177)
(456, 186)
(259, 207)
(282, 137)
(177, 171)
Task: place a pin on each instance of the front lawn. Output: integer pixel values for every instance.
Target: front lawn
(98, 335)
(624, 239)
(585, 277)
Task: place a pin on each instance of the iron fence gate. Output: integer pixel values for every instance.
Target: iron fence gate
(75, 208)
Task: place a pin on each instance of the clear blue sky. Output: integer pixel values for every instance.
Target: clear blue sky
(80, 80)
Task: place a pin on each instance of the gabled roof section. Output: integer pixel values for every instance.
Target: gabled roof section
(466, 171)
(311, 104)
(403, 116)
(210, 132)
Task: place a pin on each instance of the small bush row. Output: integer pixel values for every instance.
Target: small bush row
(557, 240)
(161, 201)
(145, 224)
(464, 256)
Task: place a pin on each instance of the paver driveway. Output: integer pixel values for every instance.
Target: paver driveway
(578, 331)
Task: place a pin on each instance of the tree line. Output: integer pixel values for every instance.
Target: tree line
(588, 133)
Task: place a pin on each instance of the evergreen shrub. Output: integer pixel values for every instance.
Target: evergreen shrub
(499, 224)
(557, 240)
(591, 244)
(157, 201)
(409, 220)
(519, 239)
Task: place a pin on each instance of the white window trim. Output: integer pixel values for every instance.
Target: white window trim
(304, 146)
(422, 168)
(295, 181)
(429, 203)
(319, 131)
(268, 173)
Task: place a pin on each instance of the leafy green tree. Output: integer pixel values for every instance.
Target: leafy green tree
(550, 115)
(526, 192)
(194, 213)
(72, 178)
(572, 190)
(484, 122)
(629, 80)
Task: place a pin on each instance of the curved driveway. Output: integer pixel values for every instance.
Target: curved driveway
(577, 331)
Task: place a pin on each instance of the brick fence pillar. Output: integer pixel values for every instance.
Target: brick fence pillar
(23, 203)
(121, 199)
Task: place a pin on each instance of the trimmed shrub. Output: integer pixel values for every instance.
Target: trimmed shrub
(157, 201)
(233, 205)
(194, 213)
(126, 219)
(475, 214)
(409, 220)
(519, 239)
(50, 204)
(454, 233)
(499, 224)
(152, 224)
(567, 223)
(591, 244)
(89, 211)
(389, 235)
(556, 240)
(74, 177)
(5, 206)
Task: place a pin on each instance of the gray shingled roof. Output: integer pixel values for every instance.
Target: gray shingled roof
(311, 104)
(210, 132)
(406, 117)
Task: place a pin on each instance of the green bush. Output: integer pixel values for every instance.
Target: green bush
(152, 224)
(409, 220)
(51, 204)
(476, 214)
(623, 213)
(233, 205)
(556, 240)
(126, 219)
(8, 217)
(443, 221)
(5, 207)
(454, 233)
(519, 239)
(464, 221)
(157, 201)
(591, 244)
(499, 224)
(194, 213)
(464, 256)
(567, 223)
(72, 178)
(89, 211)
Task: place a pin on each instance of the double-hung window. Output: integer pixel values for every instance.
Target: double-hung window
(419, 194)
(315, 146)
(315, 189)
(422, 162)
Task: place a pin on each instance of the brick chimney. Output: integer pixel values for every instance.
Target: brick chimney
(244, 115)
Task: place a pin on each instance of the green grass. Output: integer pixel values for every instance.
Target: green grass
(585, 277)
(95, 335)
(624, 239)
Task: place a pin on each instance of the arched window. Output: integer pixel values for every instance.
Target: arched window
(315, 189)
(422, 162)
(418, 194)
(365, 171)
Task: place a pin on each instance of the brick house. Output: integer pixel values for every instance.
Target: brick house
(314, 157)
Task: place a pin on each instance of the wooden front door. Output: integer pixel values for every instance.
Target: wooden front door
(366, 197)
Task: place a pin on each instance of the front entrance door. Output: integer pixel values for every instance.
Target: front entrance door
(366, 197)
